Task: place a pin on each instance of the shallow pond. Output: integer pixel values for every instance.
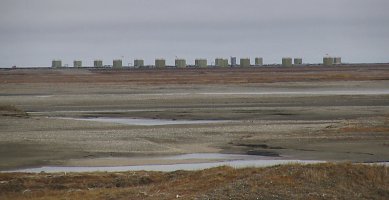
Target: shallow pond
(233, 160)
(147, 122)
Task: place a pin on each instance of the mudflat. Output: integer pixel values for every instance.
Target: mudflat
(336, 113)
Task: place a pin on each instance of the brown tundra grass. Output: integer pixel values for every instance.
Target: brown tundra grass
(294, 181)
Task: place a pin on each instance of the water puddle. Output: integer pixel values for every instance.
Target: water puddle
(167, 168)
(197, 161)
(233, 160)
(146, 122)
(210, 156)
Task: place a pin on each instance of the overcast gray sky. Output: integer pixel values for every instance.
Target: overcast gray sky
(33, 32)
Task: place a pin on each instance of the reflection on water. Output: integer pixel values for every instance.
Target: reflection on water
(147, 122)
(211, 156)
(233, 160)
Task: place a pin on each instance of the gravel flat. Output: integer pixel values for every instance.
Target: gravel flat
(332, 120)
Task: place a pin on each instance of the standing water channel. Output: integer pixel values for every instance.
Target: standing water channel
(197, 161)
(147, 122)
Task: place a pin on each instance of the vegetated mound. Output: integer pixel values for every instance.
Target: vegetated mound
(10, 110)
(294, 181)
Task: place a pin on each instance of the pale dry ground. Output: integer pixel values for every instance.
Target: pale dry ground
(289, 123)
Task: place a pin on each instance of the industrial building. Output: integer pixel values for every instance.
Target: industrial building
(328, 61)
(77, 63)
(56, 63)
(97, 63)
(286, 62)
(160, 63)
(221, 62)
(202, 63)
(233, 62)
(117, 63)
(258, 61)
(337, 60)
(245, 62)
(139, 63)
(180, 63)
(298, 61)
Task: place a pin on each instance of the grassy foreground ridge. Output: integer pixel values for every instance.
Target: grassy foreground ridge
(294, 181)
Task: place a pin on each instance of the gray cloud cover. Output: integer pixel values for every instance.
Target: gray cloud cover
(32, 32)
